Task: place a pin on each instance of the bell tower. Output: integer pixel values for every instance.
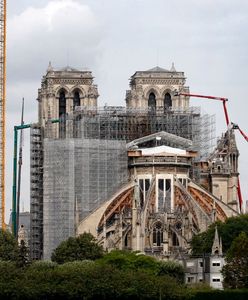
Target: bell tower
(63, 90)
(155, 90)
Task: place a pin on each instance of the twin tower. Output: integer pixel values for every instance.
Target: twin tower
(154, 90)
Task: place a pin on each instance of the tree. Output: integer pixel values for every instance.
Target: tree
(228, 230)
(235, 272)
(127, 260)
(9, 250)
(135, 261)
(172, 269)
(23, 257)
(77, 248)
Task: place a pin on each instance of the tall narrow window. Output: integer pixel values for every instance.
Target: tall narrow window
(157, 234)
(152, 103)
(167, 101)
(62, 104)
(76, 100)
(144, 185)
(164, 195)
(175, 241)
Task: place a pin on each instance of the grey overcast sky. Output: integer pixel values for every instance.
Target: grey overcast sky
(207, 39)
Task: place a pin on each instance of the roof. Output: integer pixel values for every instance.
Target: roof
(169, 139)
(157, 69)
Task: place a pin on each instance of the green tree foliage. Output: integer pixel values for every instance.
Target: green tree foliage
(235, 272)
(10, 280)
(39, 281)
(126, 260)
(9, 250)
(133, 261)
(172, 269)
(229, 230)
(77, 248)
(92, 280)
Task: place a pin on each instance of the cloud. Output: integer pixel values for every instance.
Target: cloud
(207, 40)
(64, 32)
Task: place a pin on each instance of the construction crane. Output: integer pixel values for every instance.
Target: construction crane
(234, 126)
(2, 108)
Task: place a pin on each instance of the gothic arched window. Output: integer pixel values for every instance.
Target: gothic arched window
(167, 101)
(175, 241)
(62, 104)
(157, 234)
(152, 102)
(76, 100)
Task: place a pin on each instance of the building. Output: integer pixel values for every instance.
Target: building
(24, 227)
(143, 177)
(208, 267)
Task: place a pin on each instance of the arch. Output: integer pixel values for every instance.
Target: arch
(62, 88)
(152, 102)
(78, 88)
(167, 101)
(152, 89)
(62, 103)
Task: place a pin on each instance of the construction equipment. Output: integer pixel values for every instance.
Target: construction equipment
(234, 126)
(14, 191)
(224, 100)
(19, 171)
(2, 108)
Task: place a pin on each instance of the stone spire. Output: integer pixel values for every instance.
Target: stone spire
(49, 68)
(173, 69)
(217, 244)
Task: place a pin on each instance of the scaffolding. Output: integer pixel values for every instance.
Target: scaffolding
(36, 192)
(79, 175)
(83, 162)
(121, 123)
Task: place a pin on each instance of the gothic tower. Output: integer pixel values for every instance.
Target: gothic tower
(63, 90)
(224, 170)
(155, 89)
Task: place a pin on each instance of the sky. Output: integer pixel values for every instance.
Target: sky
(206, 39)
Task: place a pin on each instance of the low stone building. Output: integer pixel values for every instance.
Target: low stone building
(207, 268)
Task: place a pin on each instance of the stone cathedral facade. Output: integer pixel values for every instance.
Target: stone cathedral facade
(134, 176)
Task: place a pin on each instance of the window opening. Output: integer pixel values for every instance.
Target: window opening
(152, 103)
(62, 104)
(76, 100)
(164, 195)
(167, 101)
(157, 234)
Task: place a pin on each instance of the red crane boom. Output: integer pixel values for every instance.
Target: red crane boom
(224, 100)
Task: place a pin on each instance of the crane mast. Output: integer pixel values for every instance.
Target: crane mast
(2, 108)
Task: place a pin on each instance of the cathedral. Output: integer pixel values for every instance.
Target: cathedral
(145, 176)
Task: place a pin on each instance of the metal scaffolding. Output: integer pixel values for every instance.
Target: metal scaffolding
(78, 176)
(83, 162)
(36, 192)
